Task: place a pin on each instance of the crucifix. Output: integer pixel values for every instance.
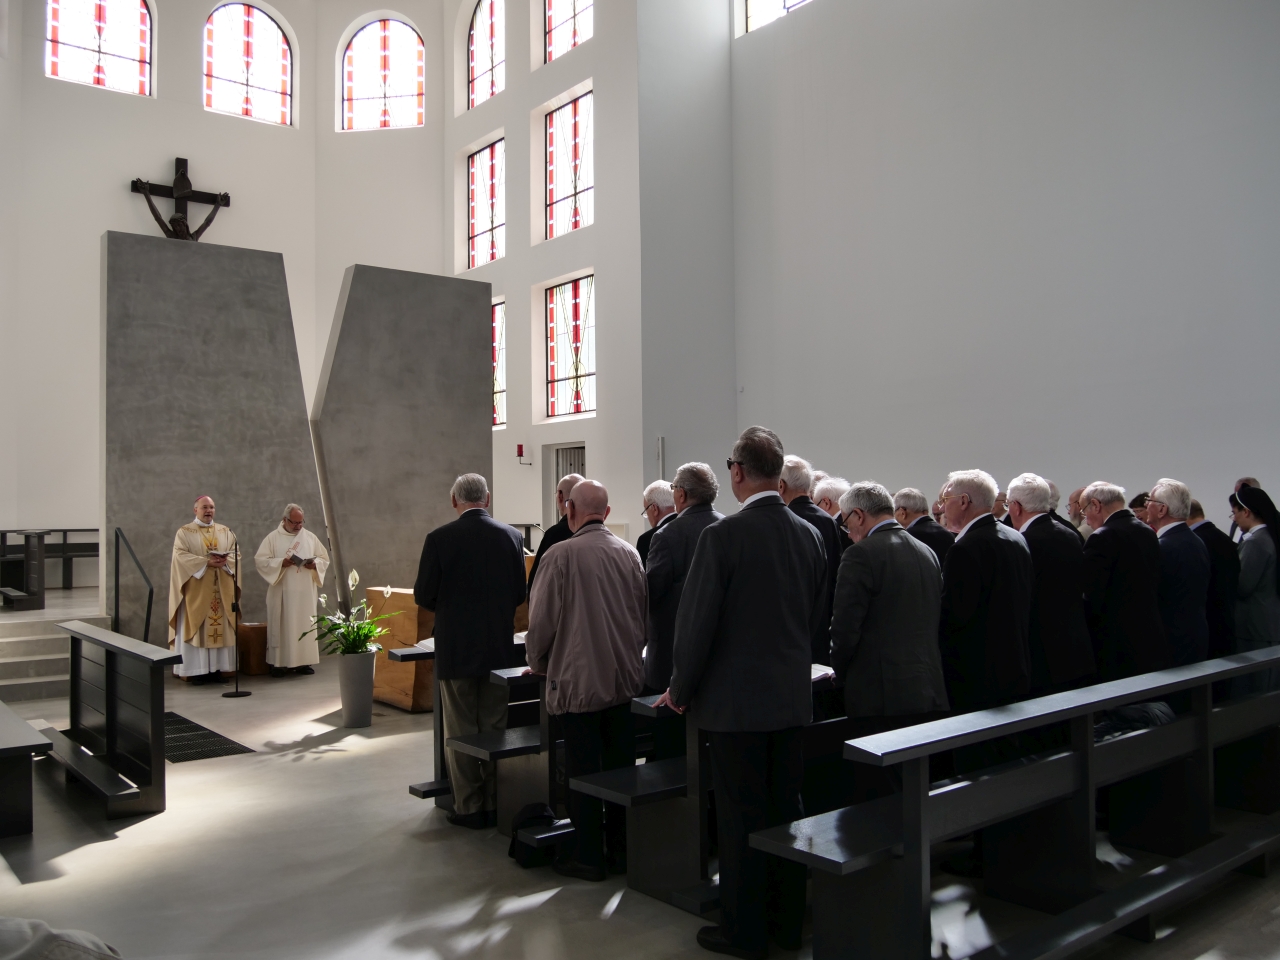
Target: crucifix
(181, 193)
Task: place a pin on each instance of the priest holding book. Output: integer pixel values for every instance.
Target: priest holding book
(292, 560)
(202, 624)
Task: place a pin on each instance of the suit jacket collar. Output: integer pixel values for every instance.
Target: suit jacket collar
(984, 521)
(885, 527)
(696, 508)
(800, 501)
(1123, 515)
(664, 521)
(775, 500)
(1043, 516)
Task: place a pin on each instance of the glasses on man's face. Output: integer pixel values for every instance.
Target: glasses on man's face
(1148, 502)
(728, 464)
(950, 496)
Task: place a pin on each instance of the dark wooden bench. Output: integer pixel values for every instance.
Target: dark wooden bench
(115, 743)
(20, 744)
(871, 865)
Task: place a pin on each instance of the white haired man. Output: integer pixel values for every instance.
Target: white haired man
(659, 509)
(986, 599)
(1122, 586)
(911, 510)
(794, 486)
(826, 494)
(1185, 572)
(293, 561)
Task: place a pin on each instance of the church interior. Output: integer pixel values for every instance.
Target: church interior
(315, 260)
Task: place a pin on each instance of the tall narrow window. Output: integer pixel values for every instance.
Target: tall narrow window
(105, 43)
(569, 23)
(487, 52)
(383, 77)
(760, 12)
(499, 314)
(571, 170)
(248, 66)
(571, 348)
(487, 204)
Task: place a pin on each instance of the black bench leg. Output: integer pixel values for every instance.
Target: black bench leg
(1247, 773)
(15, 796)
(860, 917)
(662, 848)
(521, 781)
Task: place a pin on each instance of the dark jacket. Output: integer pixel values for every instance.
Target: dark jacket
(753, 605)
(1224, 578)
(1066, 524)
(933, 535)
(829, 531)
(557, 533)
(1122, 598)
(472, 575)
(884, 626)
(645, 540)
(1257, 605)
(1184, 589)
(986, 617)
(670, 554)
(1061, 651)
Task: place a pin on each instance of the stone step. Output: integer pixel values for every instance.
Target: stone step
(35, 688)
(14, 629)
(35, 646)
(41, 665)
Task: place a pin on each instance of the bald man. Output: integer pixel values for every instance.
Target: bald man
(586, 636)
(202, 622)
(560, 531)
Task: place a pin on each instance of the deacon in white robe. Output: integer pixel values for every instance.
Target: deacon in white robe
(292, 560)
(202, 623)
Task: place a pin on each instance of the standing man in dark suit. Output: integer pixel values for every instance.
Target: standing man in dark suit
(911, 510)
(1055, 516)
(1185, 572)
(826, 493)
(986, 599)
(559, 531)
(797, 478)
(472, 575)
(1059, 644)
(753, 607)
(1122, 586)
(1224, 578)
(659, 509)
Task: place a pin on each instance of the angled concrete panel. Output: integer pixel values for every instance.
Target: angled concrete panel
(404, 404)
(203, 395)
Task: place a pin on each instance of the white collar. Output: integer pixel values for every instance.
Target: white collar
(1023, 528)
(1253, 530)
(760, 496)
(917, 520)
(971, 523)
(1198, 524)
(1169, 526)
(201, 523)
(471, 510)
(882, 523)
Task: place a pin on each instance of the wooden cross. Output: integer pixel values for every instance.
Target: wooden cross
(181, 192)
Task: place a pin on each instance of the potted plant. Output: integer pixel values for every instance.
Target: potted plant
(352, 636)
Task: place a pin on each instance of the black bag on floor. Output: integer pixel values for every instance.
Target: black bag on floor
(531, 815)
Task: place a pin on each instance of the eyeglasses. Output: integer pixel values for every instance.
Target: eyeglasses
(951, 496)
(728, 464)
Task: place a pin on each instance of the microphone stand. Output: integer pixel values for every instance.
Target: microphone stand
(235, 609)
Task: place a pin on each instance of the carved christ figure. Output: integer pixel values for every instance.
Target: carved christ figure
(176, 228)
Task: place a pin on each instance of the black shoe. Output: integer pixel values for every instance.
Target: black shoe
(278, 672)
(472, 821)
(304, 671)
(713, 939)
(579, 871)
(217, 677)
(200, 680)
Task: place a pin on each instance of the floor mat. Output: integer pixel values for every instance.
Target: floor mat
(184, 740)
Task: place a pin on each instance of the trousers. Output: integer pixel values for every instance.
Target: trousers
(594, 742)
(471, 705)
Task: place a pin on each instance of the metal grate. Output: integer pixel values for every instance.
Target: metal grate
(184, 740)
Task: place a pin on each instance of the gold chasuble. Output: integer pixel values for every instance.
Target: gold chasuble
(200, 596)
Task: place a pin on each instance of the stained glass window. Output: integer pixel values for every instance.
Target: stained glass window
(106, 43)
(248, 66)
(383, 77)
(487, 52)
(760, 12)
(487, 204)
(569, 23)
(571, 171)
(571, 347)
(499, 314)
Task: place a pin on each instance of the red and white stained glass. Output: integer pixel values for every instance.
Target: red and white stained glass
(569, 23)
(248, 66)
(105, 43)
(487, 204)
(571, 169)
(487, 52)
(571, 348)
(383, 77)
(499, 316)
(760, 12)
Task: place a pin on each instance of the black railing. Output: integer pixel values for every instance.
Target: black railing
(151, 591)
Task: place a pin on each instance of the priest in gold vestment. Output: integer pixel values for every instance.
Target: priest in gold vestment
(292, 560)
(201, 591)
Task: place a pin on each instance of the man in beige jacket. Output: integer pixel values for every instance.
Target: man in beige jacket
(586, 635)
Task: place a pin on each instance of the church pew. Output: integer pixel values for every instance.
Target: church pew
(20, 744)
(870, 863)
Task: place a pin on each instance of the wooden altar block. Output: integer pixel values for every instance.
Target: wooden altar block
(409, 686)
(252, 641)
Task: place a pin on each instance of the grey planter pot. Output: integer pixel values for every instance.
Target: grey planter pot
(355, 680)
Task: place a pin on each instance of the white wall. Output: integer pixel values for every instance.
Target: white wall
(15, 371)
(1015, 236)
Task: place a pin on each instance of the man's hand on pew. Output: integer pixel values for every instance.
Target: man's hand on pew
(665, 701)
(528, 672)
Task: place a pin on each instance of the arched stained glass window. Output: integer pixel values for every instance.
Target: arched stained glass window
(571, 347)
(487, 52)
(106, 43)
(760, 12)
(248, 66)
(569, 23)
(383, 77)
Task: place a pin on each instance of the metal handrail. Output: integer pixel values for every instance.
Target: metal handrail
(151, 591)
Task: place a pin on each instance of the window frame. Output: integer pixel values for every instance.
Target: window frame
(209, 77)
(497, 190)
(587, 331)
(549, 201)
(787, 7)
(146, 52)
(548, 29)
(344, 82)
(498, 340)
(492, 72)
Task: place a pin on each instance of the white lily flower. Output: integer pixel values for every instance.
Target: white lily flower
(386, 591)
(353, 580)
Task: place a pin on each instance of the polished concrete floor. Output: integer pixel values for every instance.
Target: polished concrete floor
(58, 605)
(312, 849)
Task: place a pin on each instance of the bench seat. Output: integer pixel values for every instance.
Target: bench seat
(20, 743)
(90, 770)
(546, 835)
(636, 785)
(499, 744)
(840, 842)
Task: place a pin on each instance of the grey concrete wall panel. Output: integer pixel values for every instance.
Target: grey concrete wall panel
(403, 405)
(203, 395)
